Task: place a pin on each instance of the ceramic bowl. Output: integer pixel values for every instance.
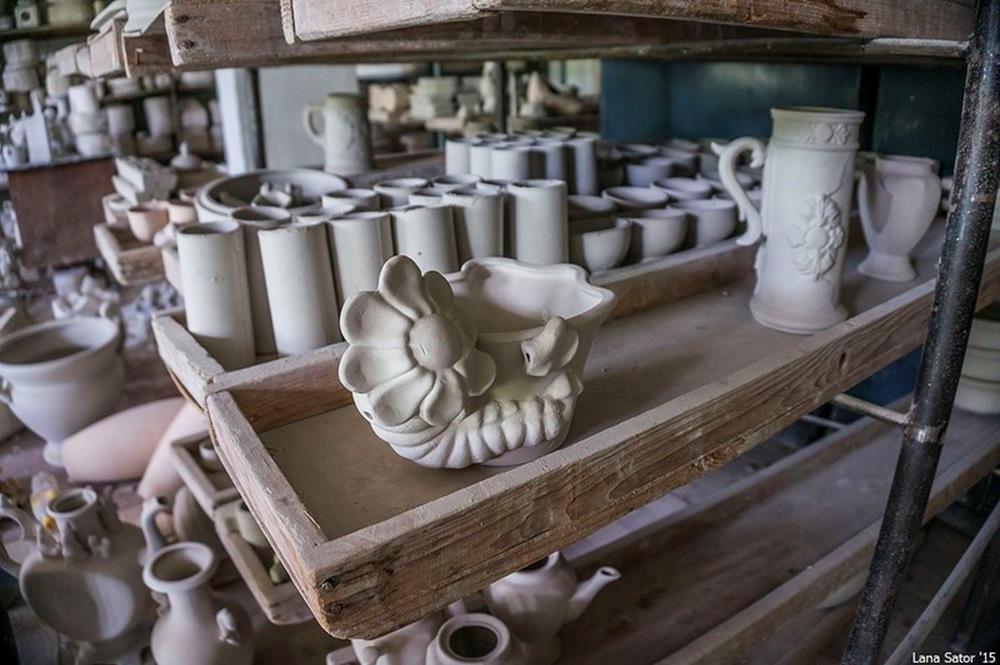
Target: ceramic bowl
(656, 233)
(978, 396)
(982, 364)
(712, 179)
(637, 150)
(684, 189)
(218, 199)
(685, 163)
(599, 244)
(642, 174)
(181, 212)
(146, 219)
(456, 181)
(396, 192)
(636, 198)
(683, 144)
(711, 220)
(586, 206)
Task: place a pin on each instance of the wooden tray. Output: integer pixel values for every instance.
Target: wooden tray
(130, 260)
(210, 489)
(374, 542)
(638, 287)
(281, 603)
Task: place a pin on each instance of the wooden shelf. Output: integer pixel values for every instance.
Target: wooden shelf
(373, 541)
(46, 32)
(710, 583)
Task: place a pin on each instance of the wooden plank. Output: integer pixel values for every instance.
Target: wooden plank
(107, 57)
(669, 394)
(923, 19)
(131, 261)
(146, 54)
(187, 361)
(211, 489)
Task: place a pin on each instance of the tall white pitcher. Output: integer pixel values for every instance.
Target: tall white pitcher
(803, 219)
(344, 134)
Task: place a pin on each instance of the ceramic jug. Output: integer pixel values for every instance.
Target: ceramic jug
(89, 568)
(803, 218)
(897, 201)
(193, 627)
(344, 136)
(400, 647)
(537, 600)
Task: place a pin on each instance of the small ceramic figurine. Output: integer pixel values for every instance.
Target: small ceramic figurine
(445, 394)
(897, 201)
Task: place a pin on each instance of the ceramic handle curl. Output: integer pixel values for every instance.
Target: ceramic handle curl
(307, 121)
(727, 173)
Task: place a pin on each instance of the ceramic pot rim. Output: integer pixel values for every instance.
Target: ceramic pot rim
(88, 495)
(669, 214)
(523, 575)
(351, 193)
(489, 622)
(218, 227)
(206, 195)
(261, 214)
(197, 553)
(41, 328)
(701, 205)
(407, 184)
(685, 185)
(826, 113)
(599, 226)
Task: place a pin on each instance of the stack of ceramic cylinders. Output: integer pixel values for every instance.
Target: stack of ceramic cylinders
(979, 387)
(87, 120)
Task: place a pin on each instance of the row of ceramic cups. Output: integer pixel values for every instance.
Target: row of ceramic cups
(979, 387)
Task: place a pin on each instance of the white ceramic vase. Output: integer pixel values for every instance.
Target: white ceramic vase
(479, 222)
(807, 183)
(426, 234)
(360, 243)
(344, 134)
(193, 627)
(86, 583)
(60, 376)
(255, 219)
(404, 646)
(538, 229)
(584, 152)
(897, 201)
(445, 395)
(216, 290)
(300, 287)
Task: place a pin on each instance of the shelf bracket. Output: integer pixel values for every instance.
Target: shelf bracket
(914, 432)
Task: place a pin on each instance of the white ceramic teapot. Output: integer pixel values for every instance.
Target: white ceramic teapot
(537, 600)
(345, 135)
(897, 201)
(90, 570)
(400, 647)
(481, 639)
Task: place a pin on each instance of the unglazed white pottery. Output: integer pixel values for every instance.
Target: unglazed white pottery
(445, 392)
(584, 155)
(146, 219)
(161, 478)
(684, 189)
(87, 582)
(643, 173)
(480, 639)
(481, 158)
(599, 244)
(300, 289)
(456, 155)
(636, 198)
(556, 160)
(978, 396)
(426, 234)
(218, 199)
(255, 219)
(982, 363)
(360, 243)
(83, 98)
(345, 135)
(193, 627)
(60, 376)
(453, 181)
(396, 192)
(536, 601)
(538, 229)
(216, 290)
(656, 233)
(985, 332)
(808, 178)
(479, 222)
(514, 161)
(362, 199)
(685, 162)
(404, 646)
(711, 220)
(159, 118)
(897, 201)
(587, 206)
(426, 196)
(335, 210)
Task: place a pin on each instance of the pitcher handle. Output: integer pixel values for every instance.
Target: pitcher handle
(308, 114)
(727, 173)
(8, 511)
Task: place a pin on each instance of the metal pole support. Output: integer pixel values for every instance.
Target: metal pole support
(962, 257)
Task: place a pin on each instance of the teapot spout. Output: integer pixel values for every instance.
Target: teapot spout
(151, 507)
(587, 590)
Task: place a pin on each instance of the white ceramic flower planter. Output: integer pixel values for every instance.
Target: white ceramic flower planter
(656, 233)
(982, 364)
(599, 244)
(344, 133)
(479, 223)
(587, 206)
(897, 201)
(300, 287)
(426, 234)
(808, 178)
(216, 291)
(360, 243)
(985, 332)
(538, 232)
(711, 220)
(60, 376)
(445, 394)
(255, 219)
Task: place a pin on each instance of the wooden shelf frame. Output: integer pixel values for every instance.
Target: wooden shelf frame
(632, 441)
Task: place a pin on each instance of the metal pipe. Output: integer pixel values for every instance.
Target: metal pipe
(966, 241)
(935, 609)
(866, 408)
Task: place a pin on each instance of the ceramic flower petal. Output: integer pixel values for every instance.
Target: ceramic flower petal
(479, 371)
(396, 401)
(402, 285)
(363, 368)
(445, 400)
(369, 320)
(439, 291)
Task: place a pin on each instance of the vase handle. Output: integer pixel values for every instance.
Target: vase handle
(8, 511)
(308, 114)
(728, 154)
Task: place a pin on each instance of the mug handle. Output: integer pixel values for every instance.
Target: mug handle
(728, 154)
(8, 511)
(308, 113)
